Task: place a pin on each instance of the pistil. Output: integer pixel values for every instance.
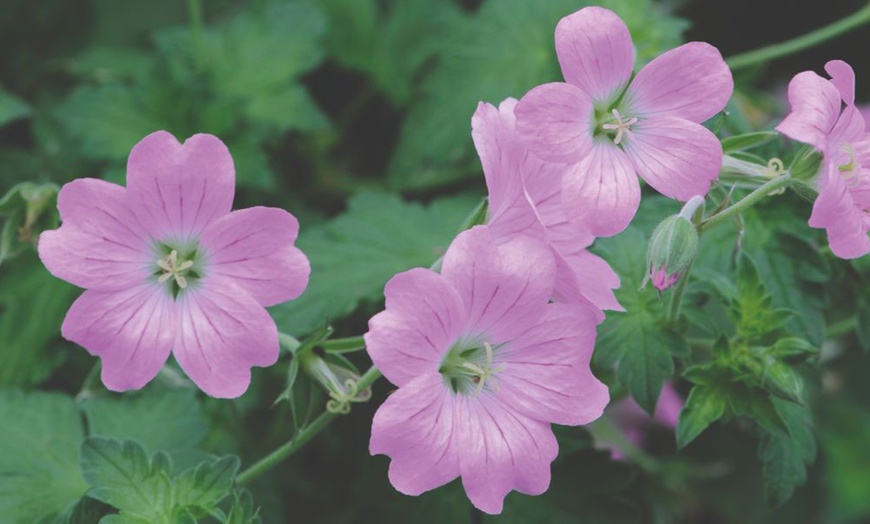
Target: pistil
(621, 128)
(172, 269)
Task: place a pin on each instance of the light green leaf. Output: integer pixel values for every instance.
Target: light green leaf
(748, 140)
(705, 405)
(11, 107)
(354, 255)
(242, 511)
(39, 473)
(785, 457)
(286, 109)
(170, 421)
(207, 484)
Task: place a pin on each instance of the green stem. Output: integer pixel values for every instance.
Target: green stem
(301, 438)
(195, 10)
(677, 297)
(748, 201)
(343, 345)
(765, 54)
(90, 382)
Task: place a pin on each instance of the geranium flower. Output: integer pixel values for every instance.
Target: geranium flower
(611, 127)
(484, 364)
(824, 116)
(168, 268)
(525, 198)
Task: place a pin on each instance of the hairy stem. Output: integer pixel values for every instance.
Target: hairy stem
(765, 54)
(748, 201)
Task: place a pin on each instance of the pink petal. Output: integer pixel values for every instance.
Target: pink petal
(677, 157)
(556, 122)
(595, 51)
(422, 320)
(691, 81)
(223, 332)
(815, 107)
(415, 427)
(602, 192)
(546, 372)
(501, 450)
(849, 128)
(131, 330)
(865, 113)
(668, 407)
(100, 244)
(503, 288)
(182, 187)
(843, 78)
(501, 154)
(584, 277)
(254, 247)
(835, 211)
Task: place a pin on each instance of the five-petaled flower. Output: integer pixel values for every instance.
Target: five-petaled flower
(610, 127)
(169, 268)
(824, 116)
(484, 364)
(525, 198)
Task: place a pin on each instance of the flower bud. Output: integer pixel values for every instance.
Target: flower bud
(806, 164)
(673, 247)
(337, 377)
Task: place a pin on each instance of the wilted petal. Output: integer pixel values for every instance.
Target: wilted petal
(595, 51)
(422, 320)
(100, 244)
(501, 450)
(182, 187)
(556, 121)
(602, 192)
(222, 333)
(255, 248)
(815, 107)
(503, 287)
(691, 81)
(415, 427)
(131, 330)
(677, 157)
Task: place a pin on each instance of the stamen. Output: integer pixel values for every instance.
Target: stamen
(172, 269)
(849, 170)
(621, 128)
(484, 375)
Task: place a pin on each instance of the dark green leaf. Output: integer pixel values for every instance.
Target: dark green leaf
(11, 107)
(705, 405)
(785, 457)
(748, 140)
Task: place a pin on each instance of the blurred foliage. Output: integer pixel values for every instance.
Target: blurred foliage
(354, 115)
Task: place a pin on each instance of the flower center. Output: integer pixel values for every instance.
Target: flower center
(172, 269)
(177, 267)
(621, 127)
(849, 170)
(469, 370)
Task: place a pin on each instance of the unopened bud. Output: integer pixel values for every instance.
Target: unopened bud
(340, 382)
(673, 247)
(806, 164)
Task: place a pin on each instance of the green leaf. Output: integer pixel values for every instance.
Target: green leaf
(39, 474)
(170, 421)
(748, 141)
(112, 64)
(792, 349)
(286, 109)
(207, 484)
(705, 405)
(354, 255)
(122, 475)
(11, 108)
(501, 51)
(26, 354)
(26, 210)
(647, 361)
(242, 511)
(785, 457)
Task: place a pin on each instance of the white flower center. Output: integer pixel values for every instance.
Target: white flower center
(172, 269)
(621, 127)
(464, 371)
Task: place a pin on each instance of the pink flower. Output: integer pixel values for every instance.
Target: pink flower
(484, 364)
(635, 423)
(168, 268)
(525, 198)
(610, 127)
(818, 118)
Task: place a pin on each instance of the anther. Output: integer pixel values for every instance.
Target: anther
(620, 127)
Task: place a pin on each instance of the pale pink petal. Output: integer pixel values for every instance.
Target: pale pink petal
(254, 247)
(182, 187)
(602, 193)
(584, 277)
(222, 333)
(415, 427)
(815, 107)
(501, 450)
(423, 318)
(835, 211)
(501, 154)
(677, 157)
(691, 81)
(595, 51)
(865, 113)
(556, 122)
(131, 330)
(546, 372)
(849, 128)
(100, 244)
(843, 78)
(669, 406)
(503, 287)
